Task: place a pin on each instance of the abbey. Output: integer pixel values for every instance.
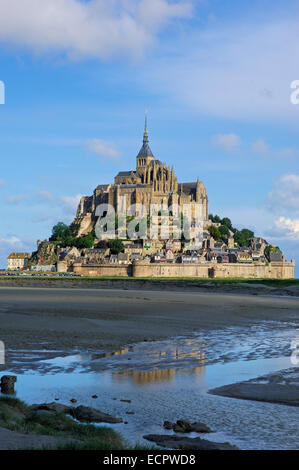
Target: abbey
(174, 243)
(153, 182)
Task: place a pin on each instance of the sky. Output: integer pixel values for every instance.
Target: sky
(214, 75)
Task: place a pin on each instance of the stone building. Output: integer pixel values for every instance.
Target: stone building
(152, 182)
(16, 261)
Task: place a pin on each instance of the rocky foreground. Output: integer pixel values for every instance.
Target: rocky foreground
(47, 427)
(281, 387)
(188, 443)
(81, 413)
(184, 442)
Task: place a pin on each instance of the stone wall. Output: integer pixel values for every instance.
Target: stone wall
(207, 270)
(103, 270)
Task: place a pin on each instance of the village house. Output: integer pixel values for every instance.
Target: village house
(17, 261)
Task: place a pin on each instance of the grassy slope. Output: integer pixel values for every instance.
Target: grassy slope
(17, 416)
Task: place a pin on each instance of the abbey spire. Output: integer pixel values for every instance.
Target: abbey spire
(145, 134)
(145, 154)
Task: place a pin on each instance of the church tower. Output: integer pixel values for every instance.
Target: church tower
(145, 155)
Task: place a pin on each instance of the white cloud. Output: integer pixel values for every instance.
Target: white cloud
(14, 199)
(232, 142)
(105, 150)
(12, 242)
(227, 142)
(286, 153)
(241, 70)
(96, 29)
(41, 218)
(71, 202)
(260, 147)
(9, 243)
(45, 195)
(285, 194)
(287, 228)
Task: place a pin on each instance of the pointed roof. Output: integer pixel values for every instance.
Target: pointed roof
(145, 150)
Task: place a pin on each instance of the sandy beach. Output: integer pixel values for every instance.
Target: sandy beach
(93, 319)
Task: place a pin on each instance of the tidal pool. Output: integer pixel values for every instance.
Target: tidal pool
(170, 379)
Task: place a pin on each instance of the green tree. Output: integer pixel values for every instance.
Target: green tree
(116, 246)
(247, 234)
(214, 232)
(74, 228)
(271, 249)
(61, 231)
(84, 242)
(224, 232)
(240, 239)
(227, 222)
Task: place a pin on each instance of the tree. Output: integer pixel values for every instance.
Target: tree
(240, 239)
(217, 219)
(271, 249)
(214, 232)
(247, 234)
(116, 246)
(227, 222)
(84, 242)
(74, 228)
(224, 232)
(101, 244)
(61, 232)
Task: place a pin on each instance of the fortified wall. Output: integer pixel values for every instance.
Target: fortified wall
(141, 269)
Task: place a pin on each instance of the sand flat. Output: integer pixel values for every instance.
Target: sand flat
(281, 387)
(93, 319)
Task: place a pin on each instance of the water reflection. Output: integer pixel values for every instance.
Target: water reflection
(147, 357)
(169, 379)
(188, 352)
(94, 357)
(154, 376)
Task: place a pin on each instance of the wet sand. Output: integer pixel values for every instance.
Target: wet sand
(281, 387)
(107, 319)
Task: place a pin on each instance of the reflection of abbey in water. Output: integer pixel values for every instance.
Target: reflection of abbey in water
(155, 376)
(157, 358)
(160, 357)
(93, 357)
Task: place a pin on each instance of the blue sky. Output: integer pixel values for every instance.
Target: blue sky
(215, 76)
